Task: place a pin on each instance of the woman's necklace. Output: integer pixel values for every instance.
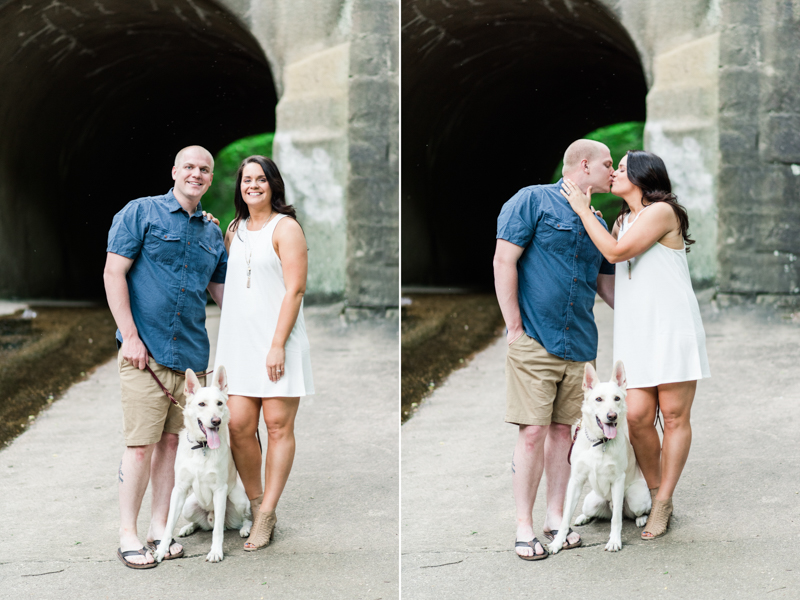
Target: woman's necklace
(248, 250)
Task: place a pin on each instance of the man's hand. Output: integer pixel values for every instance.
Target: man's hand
(135, 352)
(211, 218)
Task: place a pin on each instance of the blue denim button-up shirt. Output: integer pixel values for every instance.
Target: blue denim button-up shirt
(175, 256)
(557, 270)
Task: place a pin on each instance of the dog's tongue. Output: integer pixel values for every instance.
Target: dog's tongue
(212, 437)
(609, 430)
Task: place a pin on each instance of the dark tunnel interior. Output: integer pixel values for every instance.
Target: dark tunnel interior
(491, 98)
(97, 98)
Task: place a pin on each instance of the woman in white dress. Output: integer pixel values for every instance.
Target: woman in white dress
(262, 336)
(658, 333)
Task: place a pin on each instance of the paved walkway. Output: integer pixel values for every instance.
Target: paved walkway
(736, 527)
(337, 530)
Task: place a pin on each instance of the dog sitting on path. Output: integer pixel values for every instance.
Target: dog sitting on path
(603, 455)
(204, 464)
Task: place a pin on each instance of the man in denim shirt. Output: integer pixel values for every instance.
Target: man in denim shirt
(547, 272)
(162, 256)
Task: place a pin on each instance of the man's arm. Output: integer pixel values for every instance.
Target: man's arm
(119, 301)
(605, 287)
(216, 289)
(506, 286)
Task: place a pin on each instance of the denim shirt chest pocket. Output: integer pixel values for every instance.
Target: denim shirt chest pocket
(162, 245)
(206, 259)
(555, 234)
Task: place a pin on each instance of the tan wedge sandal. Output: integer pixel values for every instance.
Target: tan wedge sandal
(261, 533)
(658, 521)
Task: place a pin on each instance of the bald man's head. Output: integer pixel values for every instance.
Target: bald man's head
(588, 163)
(579, 150)
(193, 173)
(182, 151)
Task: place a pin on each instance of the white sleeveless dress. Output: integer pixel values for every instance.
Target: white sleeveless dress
(658, 332)
(249, 319)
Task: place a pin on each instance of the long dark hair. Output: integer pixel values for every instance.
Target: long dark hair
(649, 173)
(276, 186)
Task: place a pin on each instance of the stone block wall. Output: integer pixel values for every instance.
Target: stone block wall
(373, 129)
(759, 172)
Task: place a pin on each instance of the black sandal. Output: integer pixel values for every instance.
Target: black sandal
(132, 565)
(531, 544)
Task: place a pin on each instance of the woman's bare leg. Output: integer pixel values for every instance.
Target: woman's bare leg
(675, 400)
(244, 445)
(279, 415)
(644, 437)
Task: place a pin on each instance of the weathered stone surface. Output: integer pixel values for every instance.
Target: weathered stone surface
(759, 126)
(779, 140)
(373, 188)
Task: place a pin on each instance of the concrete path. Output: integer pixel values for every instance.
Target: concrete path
(337, 533)
(736, 527)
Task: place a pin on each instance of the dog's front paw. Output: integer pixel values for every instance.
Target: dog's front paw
(245, 530)
(582, 520)
(215, 555)
(614, 545)
(640, 521)
(555, 546)
(161, 551)
(187, 530)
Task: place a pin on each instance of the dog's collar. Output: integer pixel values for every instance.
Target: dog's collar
(575, 437)
(595, 442)
(203, 444)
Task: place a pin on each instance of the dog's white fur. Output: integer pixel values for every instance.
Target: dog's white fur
(218, 499)
(610, 467)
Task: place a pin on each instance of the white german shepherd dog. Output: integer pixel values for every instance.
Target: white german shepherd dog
(204, 463)
(603, 455)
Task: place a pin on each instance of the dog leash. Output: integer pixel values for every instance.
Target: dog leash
(175, 402)
(164, 388)
(658, 417)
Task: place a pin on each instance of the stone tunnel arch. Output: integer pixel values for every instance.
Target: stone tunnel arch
(97, 98)
(491, 97)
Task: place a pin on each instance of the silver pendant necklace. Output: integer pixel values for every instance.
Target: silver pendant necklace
(248, 249)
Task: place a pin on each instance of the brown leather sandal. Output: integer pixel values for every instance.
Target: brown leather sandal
(261, 533)
(532, 544)
(658, 521)
(551, 535)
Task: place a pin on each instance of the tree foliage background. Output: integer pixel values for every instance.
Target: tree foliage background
(219, 198)
(619, 138)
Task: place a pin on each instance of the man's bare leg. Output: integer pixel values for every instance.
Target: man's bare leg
(134, 474)
(162, 478)
(527, 465)
(557, 468)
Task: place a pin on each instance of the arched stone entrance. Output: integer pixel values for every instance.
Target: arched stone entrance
(97, 98)
(492, 95)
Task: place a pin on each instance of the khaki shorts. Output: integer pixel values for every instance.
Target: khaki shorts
(146, 410)
(541, 388)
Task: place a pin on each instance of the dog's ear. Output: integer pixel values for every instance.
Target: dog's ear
(590, 379)
(192, 383)
(221, 379)
(618, 375)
